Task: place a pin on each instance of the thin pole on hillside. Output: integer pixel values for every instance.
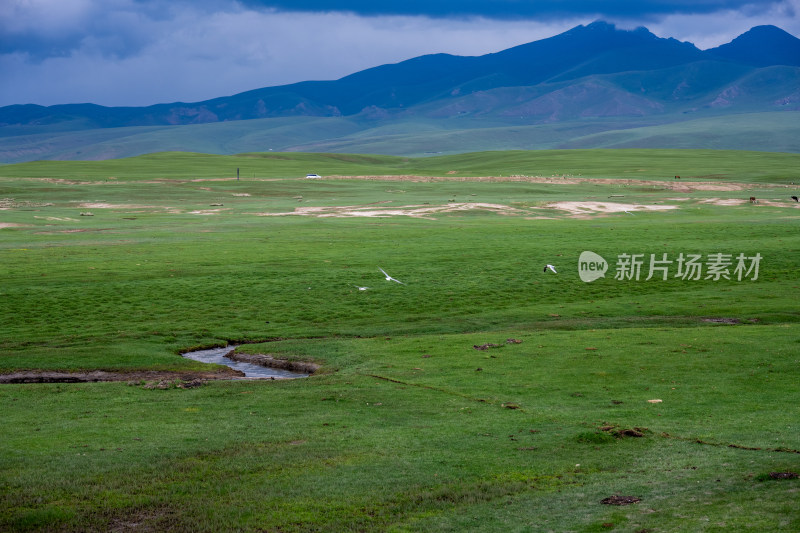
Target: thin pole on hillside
(237, 173)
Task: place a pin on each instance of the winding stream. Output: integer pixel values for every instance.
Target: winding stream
(217, 355)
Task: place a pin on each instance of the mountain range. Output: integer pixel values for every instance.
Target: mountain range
(593, 85)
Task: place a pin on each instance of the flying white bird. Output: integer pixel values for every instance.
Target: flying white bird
(360, 288)
(390, 278)
(551, 267)
(629, 213)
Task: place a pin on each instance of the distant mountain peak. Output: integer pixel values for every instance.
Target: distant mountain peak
(766, 29)
(600, 25)
(761, 46)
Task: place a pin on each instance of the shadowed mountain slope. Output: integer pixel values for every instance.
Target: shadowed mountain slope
(594, 78)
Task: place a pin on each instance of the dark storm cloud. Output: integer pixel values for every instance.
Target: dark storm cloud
(518, 8)
(121, 28)
(114, 28)
(141, 52)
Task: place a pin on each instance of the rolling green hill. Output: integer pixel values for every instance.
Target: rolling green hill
(769, 132)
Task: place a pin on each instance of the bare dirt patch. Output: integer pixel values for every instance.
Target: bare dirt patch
(45, 376)
(207, 211)
(620, 500)
(11, 225)
(783, 475)
(590, 208)
(720, 320)
(56, 219)
(704, 186)
(104, 205)
(11, 203)
(773, 203)
(724, 201)
(415, 211)
(741, 201)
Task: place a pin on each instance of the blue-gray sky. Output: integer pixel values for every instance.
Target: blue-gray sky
(142, 52)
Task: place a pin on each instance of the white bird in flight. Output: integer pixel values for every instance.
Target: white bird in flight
(551, 267)
(390, 278)
(360, 288)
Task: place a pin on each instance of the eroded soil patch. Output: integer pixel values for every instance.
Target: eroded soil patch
(620, 500)
(38, 376)
(267, 360)
(783, 475)
(720, 320)
(415, 211)
(590, 208)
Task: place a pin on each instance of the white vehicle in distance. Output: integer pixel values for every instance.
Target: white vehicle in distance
(313, 176)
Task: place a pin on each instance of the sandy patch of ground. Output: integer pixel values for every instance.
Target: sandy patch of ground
(724, 201)
(690, 186)
(741, 201)
(103, 205)
(56, 219)
(416, 211)
(772, 203)
(207, 211)
(589, 208)
(11, 225)
(11, 203)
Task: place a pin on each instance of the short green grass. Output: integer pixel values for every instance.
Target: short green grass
(707, 165)
(407, 427)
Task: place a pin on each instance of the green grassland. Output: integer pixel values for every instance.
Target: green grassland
(121, 265)
(739, 166)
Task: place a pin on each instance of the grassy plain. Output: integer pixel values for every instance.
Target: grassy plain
(120, 265)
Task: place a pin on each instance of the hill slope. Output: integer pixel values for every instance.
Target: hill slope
(588, 80)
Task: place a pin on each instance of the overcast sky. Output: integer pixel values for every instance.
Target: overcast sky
(142, 52)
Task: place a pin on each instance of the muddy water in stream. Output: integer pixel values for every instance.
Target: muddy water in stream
(217, 355)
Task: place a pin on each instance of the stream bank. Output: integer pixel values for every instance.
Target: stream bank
(236, 366)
